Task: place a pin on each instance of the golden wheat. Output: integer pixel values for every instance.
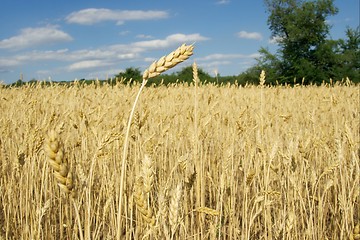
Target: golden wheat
(262, 78)
(56, 159)
(171, 60)
(179, 55)
(174, 210)
(264, 184)
(355, 235)
(142, 204)
(147, 173)
(209, 211)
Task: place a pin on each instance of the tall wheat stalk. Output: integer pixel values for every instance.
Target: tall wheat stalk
(55, 152)
(156, 68)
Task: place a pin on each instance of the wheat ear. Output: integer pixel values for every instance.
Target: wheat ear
(147, 173)
(262, 78)
(355, 235)
(171, 60)
(179, 55)
(174, 211)
(55, 152)
(142, 205)
(209, 211)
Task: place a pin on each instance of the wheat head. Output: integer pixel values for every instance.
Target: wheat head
(195, 74)
(147, 173)
(208, 211)
(142, 205)
(166, 62)
(56, 159)
(262, 78)
(355, 235)
(174, 208)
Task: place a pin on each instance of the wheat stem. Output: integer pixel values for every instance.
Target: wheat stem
(179, 55)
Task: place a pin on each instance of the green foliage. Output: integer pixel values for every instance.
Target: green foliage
(130, 75)
(186, 75)
(349, 55)
(305, 52)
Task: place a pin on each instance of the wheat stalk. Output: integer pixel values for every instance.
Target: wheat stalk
(56, 159)
(179, 55)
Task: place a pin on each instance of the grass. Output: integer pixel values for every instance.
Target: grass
(226, 162)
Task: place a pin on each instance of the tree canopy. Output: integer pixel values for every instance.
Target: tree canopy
(305, 50)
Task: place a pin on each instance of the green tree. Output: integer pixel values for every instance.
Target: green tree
(130, 74)
(349, 55)
(301, 29)
(186, 75)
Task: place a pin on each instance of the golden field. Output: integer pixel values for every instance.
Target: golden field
(206, 162)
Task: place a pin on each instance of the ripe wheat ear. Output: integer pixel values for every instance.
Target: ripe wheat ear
(166, 62)
(56, 159)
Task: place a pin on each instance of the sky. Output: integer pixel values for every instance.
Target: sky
(67, 40)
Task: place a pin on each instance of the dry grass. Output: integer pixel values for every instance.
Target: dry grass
(245, 163)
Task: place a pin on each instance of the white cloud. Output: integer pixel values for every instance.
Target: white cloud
(275, 40)
(8, 62)
(218, 56)
(30, 37)
(124, 33)
(250, 35)
(91, 16)
(215, 64)
(143, 36)
(170, 41)
(100, 58)
(89, 64)
(219, 61)
(220, 2)
(148, 59)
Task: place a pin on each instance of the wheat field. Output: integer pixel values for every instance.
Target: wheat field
(203, 162)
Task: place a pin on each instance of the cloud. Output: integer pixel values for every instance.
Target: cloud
(124, 33)
(250, 35)
(215, 64)
(219, 61)
(104, 74)
(30, 37)
(91, 16)
(8, 62)
(143, 36)
(100, 58)
(218, 56)
(170, 41)
(221, 2)
(90, 64)
(275, 40)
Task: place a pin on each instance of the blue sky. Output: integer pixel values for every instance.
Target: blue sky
(66, 40)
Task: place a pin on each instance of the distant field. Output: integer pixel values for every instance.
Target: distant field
(216, 163)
